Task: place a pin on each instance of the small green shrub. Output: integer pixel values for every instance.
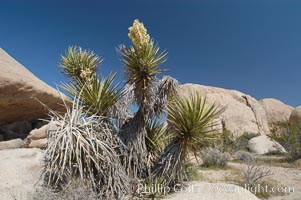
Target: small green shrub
(289, 136)
(232, 143)
(226, 141)
(214, 157)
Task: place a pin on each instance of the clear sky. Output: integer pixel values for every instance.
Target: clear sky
(253, 46)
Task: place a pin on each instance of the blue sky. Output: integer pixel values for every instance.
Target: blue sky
(251, 46)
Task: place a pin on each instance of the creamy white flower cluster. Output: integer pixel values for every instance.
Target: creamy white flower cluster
(138, 34)
(86, 74)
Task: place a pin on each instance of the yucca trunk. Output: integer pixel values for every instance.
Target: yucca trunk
(171, 163)
(133, 134)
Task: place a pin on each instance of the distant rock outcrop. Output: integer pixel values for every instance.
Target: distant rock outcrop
(276, 111)
(243, 113)
(295, 117)
(21, 93)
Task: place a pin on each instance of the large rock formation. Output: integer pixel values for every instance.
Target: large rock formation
(20, 170)
(21, 93)
(295, 117)
(243, 113)
(276, 111)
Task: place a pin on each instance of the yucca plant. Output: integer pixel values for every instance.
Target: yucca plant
(142, 61)
(191, 125)
(82, 146)
(97, 94)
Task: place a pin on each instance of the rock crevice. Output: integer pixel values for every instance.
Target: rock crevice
(259, 114)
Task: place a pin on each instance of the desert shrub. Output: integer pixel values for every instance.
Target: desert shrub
(289, 136)
(241, 142)
(231, 143)
(244, 156)
(226, 141)
(214, 157)
(253, 173)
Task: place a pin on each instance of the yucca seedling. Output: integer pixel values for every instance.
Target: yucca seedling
(85, 146)
(191, 125)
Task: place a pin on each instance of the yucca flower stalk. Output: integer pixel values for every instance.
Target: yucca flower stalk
(191, 125)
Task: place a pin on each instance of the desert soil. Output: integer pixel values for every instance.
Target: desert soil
(281, 176)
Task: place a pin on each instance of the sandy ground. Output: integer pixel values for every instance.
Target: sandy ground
(212, 191)
(285, 178)
(20, 170)
(289, 178)
(280, 178)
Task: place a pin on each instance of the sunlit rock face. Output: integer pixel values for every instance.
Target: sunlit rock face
(22, 93)
(276, 111)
